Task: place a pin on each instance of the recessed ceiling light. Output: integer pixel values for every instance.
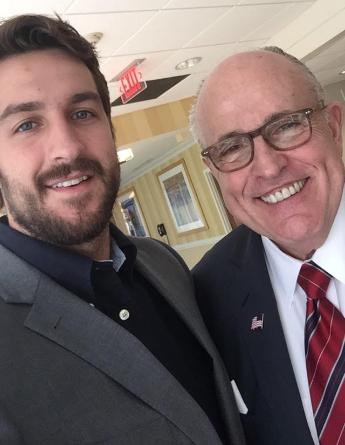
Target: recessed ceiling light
(189, 63)
(342, 72)
(94, 37)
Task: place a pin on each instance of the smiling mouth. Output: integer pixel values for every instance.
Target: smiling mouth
(284, 193)
(70, 182)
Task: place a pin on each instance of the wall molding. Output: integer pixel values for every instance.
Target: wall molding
(198, 243)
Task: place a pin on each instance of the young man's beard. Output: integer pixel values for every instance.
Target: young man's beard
(28, 211)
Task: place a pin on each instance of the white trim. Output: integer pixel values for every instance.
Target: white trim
(187, 205)
(198, 243)
(217, 199)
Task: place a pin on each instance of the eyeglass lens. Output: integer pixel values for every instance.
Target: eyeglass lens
(287, 132)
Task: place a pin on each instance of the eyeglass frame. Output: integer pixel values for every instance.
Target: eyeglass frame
(205, 153)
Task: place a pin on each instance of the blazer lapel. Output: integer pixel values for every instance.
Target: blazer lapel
(267, 346)
(73, 324)
(179, 292)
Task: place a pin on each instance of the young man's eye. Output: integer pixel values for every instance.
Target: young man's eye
(26, 126)
(82, 114)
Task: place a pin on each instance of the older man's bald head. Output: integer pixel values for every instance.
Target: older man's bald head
(238, 71)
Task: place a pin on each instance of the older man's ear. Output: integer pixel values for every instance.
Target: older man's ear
(335, 114)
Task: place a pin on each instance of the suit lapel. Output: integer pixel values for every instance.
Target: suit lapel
(73, 324)
(267, 346)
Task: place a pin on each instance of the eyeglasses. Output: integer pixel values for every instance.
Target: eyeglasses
(286, 132)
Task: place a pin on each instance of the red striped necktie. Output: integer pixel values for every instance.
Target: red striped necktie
(325, 356)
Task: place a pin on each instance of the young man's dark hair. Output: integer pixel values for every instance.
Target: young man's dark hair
(27, 33)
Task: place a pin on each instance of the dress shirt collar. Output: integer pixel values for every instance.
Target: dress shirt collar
(330, 256)
(283, 269)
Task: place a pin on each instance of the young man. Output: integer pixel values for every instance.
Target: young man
(273, 291)
(101, 341)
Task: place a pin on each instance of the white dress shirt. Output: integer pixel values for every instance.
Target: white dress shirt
(291, 299)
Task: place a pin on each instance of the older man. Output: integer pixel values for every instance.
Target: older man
(273, 291)
(101, 341)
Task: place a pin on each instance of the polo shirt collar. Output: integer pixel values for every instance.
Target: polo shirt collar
(70, 269)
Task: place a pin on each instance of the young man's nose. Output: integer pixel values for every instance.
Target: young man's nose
(65, 141)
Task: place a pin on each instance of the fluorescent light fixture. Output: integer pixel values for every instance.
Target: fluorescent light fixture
(124, 155)
(188, 63)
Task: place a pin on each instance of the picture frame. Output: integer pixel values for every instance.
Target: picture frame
(181, 199)
(132, 213)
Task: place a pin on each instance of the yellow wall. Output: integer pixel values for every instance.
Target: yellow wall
(144, 124)
(151, 122)
(193, 244)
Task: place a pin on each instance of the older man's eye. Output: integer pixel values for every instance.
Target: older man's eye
(290, 125)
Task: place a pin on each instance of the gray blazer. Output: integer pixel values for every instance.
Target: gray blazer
(72, 376)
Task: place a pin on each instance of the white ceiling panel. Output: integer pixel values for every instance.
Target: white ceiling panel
(236, 25)
(87, 6)
(323, 60)
(326, 61)
(199, 3)
(170, 29)
(117, 28)
(328, 76)
(15, 7)
(255, 2)
(211, 55)
(112, 66)
(113, 91)
(336, 46)
(284, 15)
(250, 45)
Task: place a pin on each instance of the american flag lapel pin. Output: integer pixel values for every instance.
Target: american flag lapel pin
(257, 322)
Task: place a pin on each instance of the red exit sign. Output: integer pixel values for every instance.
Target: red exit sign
(131, 82)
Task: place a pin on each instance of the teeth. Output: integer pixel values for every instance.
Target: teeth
(284, 193)
(70, 182)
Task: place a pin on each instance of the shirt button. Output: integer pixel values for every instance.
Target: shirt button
(124, 314)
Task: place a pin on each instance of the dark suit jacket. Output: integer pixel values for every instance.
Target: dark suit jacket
(72, 376)
(233, 287)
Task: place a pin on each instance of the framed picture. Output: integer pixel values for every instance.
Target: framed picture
(132, 214)
(181, 200)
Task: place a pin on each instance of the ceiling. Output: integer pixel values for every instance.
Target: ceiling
(166, 32)
(328, 61)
